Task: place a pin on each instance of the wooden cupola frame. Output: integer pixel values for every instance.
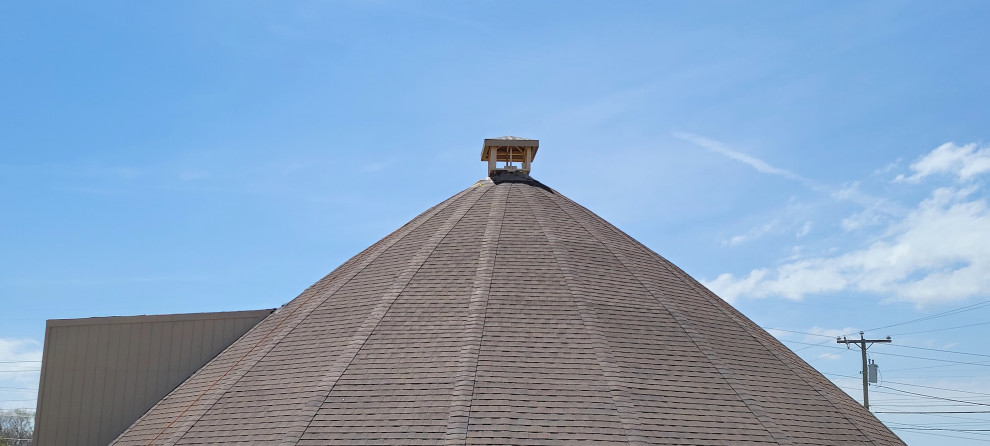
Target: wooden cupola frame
(509, 150)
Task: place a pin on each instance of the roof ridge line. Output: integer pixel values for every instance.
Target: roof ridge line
(693, 335)
(590, 320)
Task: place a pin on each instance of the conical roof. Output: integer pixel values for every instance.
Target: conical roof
(507, 314)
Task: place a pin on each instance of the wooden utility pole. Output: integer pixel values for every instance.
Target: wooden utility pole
(862, 342)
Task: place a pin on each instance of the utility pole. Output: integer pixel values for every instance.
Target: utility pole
(862, 342)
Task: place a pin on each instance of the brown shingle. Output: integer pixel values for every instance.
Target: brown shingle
(507, 314)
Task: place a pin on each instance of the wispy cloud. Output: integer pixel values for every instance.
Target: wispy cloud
(756, 163)
(753, 234)
(875, 210)
(605, 108)
(789, 222)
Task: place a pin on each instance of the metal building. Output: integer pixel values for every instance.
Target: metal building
(100, 374)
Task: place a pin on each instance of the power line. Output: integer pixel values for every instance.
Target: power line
(945, 376)
(983, 364)
(940, 329)
(921, 368)
(942, 351)
(970, 307)
(920, 404)
(824, 345)
(981, 422)
(15, 362)
(972, 419)
(937, 397)
(944, 429)
(901, 399)
(912, 385)
(840, 375)
(820, 344)
(917, 428)
(927, 429)
(809, 345)
(799, 332)
(815, 345)
(897, 399)
(943, 435)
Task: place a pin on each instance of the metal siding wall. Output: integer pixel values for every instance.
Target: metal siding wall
(101, 374)
(113, 394)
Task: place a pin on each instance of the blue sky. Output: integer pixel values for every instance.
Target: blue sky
(823, 165)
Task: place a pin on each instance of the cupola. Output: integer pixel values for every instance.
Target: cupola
(505, 152)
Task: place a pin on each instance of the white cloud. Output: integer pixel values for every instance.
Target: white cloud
(729, 288)
(965, 162)
(805, 229)
(939, 251)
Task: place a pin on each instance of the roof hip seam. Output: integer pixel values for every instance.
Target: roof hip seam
(375, 317)
(620, 400)
(696, 338)
(459, 416)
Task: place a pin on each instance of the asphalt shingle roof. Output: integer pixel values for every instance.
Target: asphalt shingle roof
(507, 314)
